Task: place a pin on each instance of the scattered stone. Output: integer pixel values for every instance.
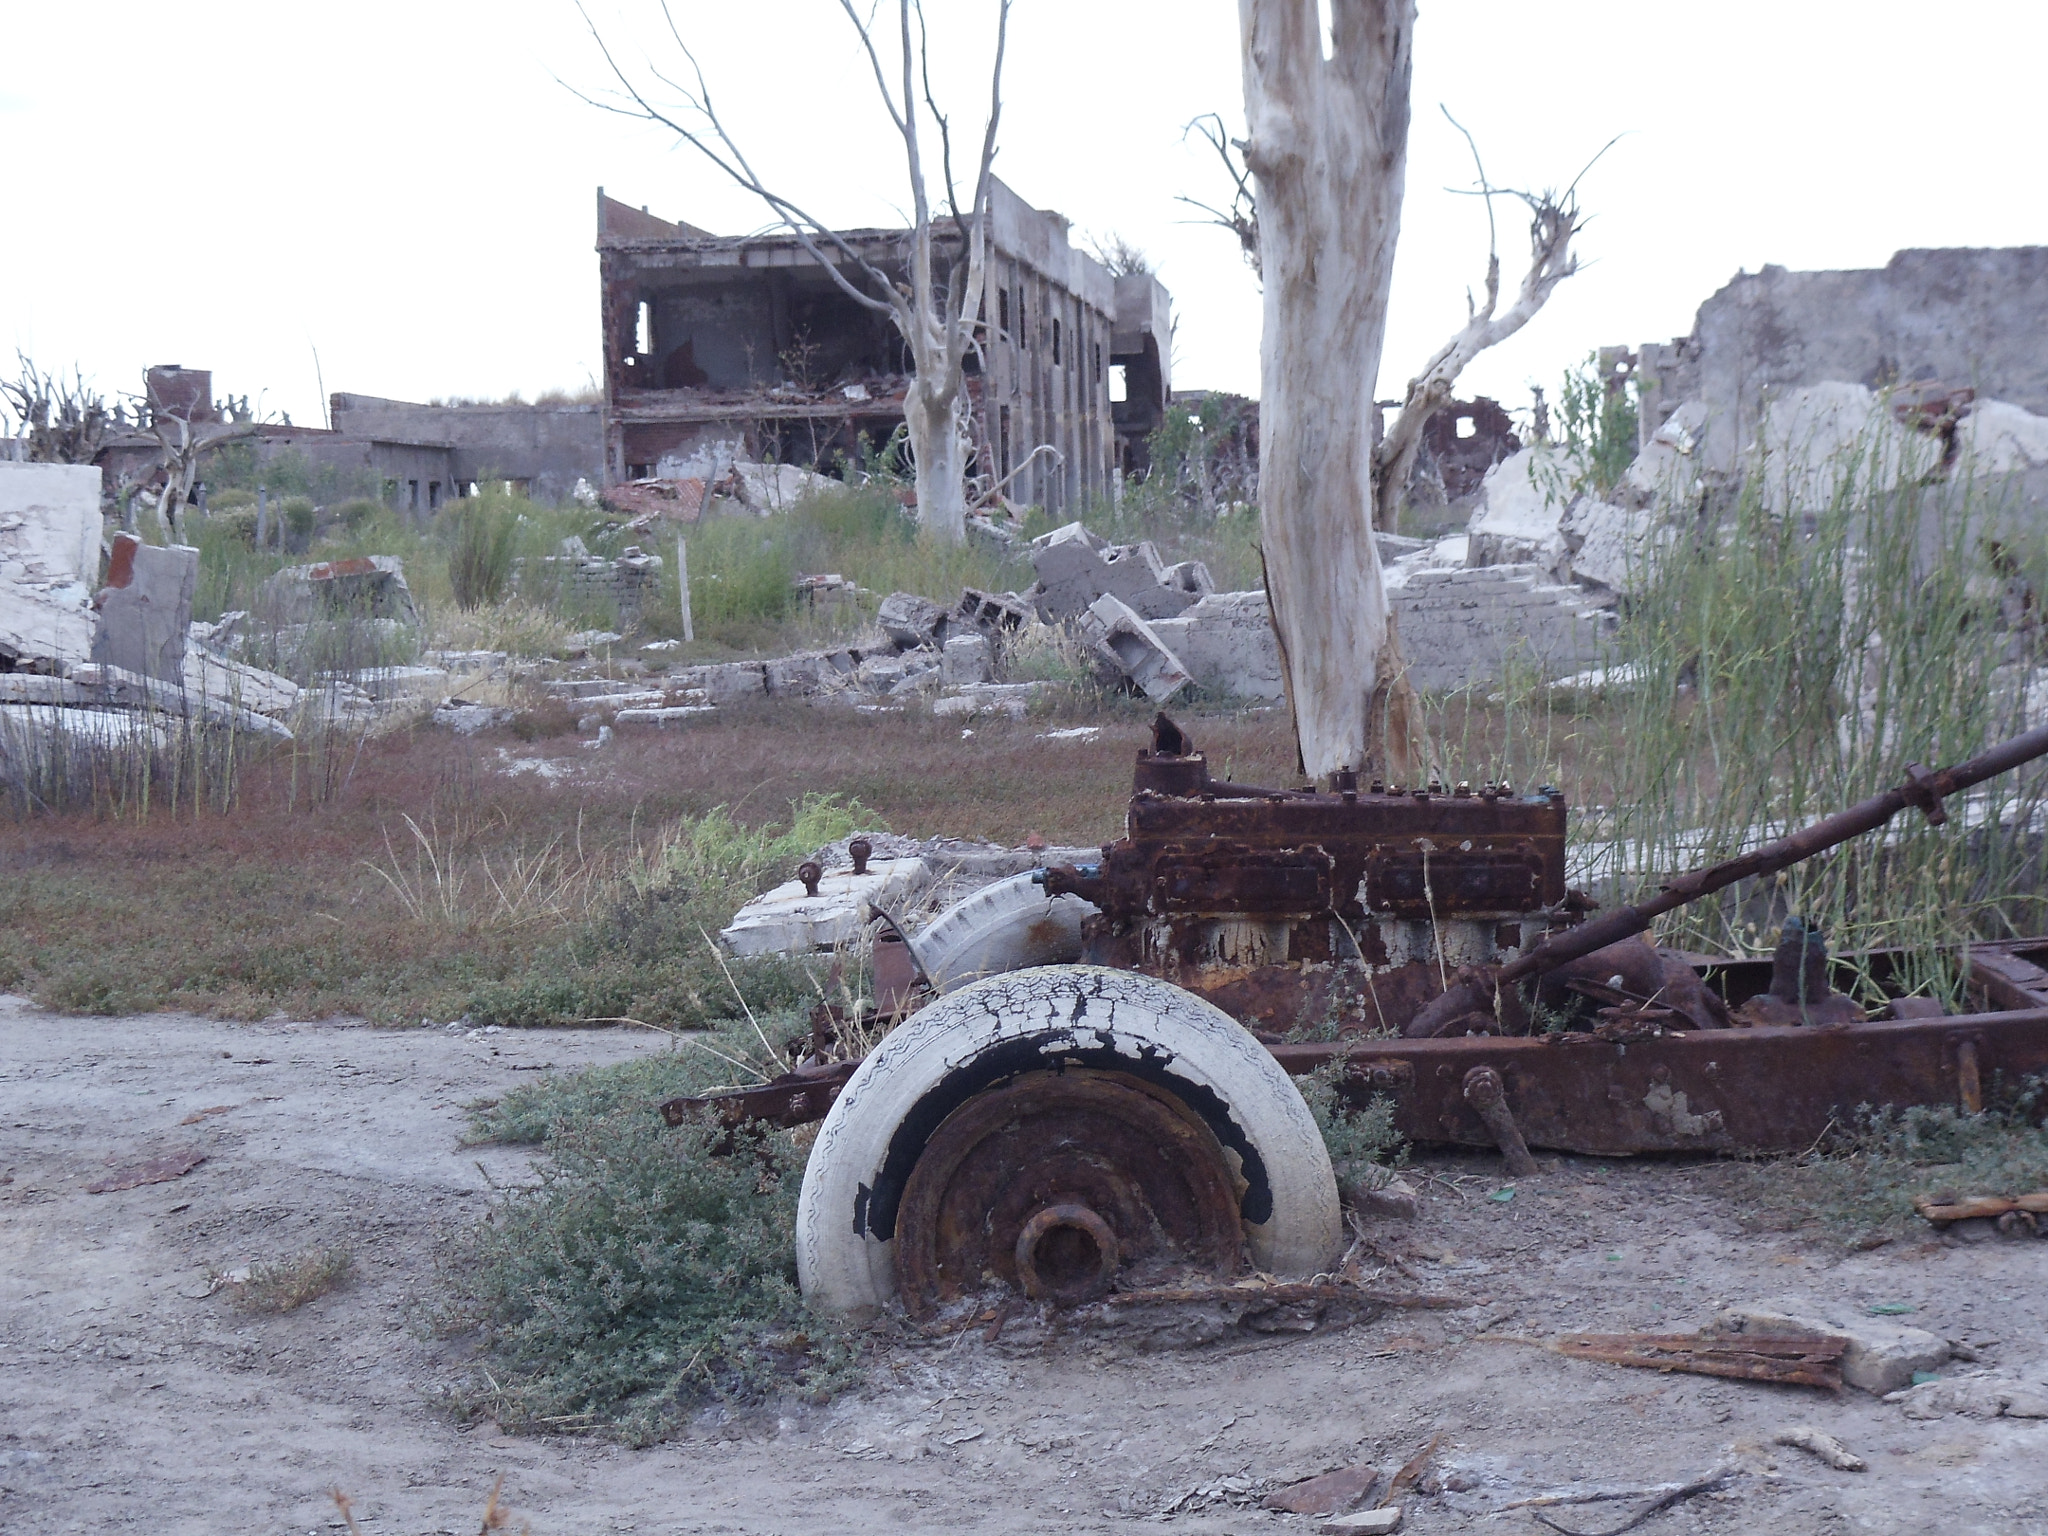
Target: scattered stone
(395, 684)
(1011, 699)
(584, 641)
(730, 682)
(1975, 1397)
(1330, 1494)
(1371, 1522)
(1394, 1198)
(1881, 1357)
(158, 1170)
(993, 613)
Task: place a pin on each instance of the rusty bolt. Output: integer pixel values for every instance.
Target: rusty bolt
(861, 850)
(810, 874)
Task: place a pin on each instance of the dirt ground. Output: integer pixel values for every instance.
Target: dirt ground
(130, 1397)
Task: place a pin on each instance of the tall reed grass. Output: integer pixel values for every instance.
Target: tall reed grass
(1772, 667)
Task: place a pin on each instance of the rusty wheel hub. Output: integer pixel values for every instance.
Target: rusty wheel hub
(1063, 1185)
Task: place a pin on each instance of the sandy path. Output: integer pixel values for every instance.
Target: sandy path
(130, 1399)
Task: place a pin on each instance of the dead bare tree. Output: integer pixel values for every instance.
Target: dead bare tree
(1554, 221)
(936, 302)
(1327, 146)
(62, 422)
(1327, 150)
(1241, 218)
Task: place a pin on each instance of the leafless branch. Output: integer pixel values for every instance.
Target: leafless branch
(1242, 217)
(1555, 219)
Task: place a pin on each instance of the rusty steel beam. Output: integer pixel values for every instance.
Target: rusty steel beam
(1767, 1089)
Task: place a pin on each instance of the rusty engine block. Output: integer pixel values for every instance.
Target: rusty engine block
(1341, 911)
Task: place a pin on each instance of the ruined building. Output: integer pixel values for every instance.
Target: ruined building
(1928, 320)
(745, 347)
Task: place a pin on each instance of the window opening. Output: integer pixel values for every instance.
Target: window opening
(1055, 338)
(1119, 384)
(643, 330)
(1467, 427)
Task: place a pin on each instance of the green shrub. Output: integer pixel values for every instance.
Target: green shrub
(642, 1276)
(480, 556)
(1359, 1140)
(297, 514)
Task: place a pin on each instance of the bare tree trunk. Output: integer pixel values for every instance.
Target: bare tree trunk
(938, 450)
(1328, 146)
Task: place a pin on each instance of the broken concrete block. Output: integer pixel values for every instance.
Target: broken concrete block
(145, 609)
(789, 920)
(237, 685)
(466, 719)
(967, 659)
(1010, 699)
(1075, 567)
(1611, 545)
(993, 613)
(793, 677)
(1189, 576)
(1226, 642)
(912, 621)
(390, 684)
(1125, 640)
(364, 586)
(728, 682)
(1882, 1356)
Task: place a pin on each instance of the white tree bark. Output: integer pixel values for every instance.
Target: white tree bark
(1328, 146)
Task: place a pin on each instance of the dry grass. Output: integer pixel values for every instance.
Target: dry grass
(279, 909)
(289, 1284)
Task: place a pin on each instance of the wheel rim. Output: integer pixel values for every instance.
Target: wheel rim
(1062, 1185)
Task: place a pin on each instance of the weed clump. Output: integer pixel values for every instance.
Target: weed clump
(1862, 1181)
(642, 1277)
(290, 1283)
(1362, 1142)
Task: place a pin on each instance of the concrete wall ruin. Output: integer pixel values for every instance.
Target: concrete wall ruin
(1963, 318)
(542, 449)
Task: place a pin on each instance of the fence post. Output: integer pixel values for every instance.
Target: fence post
(683, 588)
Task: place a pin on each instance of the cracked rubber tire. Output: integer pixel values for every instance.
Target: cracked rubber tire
(1003, 927)
(994, 1031)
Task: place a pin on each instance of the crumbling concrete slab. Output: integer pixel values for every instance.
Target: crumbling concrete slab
(1121, 637)
(789, 920)
(730, 682)
(794, 677)
(1011, 699)
(223, 681)
(662, 714)
(1882, 1355)
(145, 609)
(1523, 500)
(49, 563)
(1075, 567)
(392, 684)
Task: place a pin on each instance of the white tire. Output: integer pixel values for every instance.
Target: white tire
(1055, 1018)
(1007, 926)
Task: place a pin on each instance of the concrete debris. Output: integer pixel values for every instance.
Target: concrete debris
(664, 715)
(967, 659)
(226, 684)
(1975, 1397)
(1367, 1522)
(1522, 503)
(395, 684)
(1226, 644)
(145, 609)
(913, 622)
(1011, 699)
(793, 919)
(467, 719)
(49, 564)
(1881, 1357)
(994, 613)
(1123, 639)
(1075, 567)
(587, 581)
(681, 500)
(362, 587)
(584, 641)
(770, 488)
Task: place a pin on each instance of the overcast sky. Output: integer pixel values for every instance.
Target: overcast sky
(408, 188)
